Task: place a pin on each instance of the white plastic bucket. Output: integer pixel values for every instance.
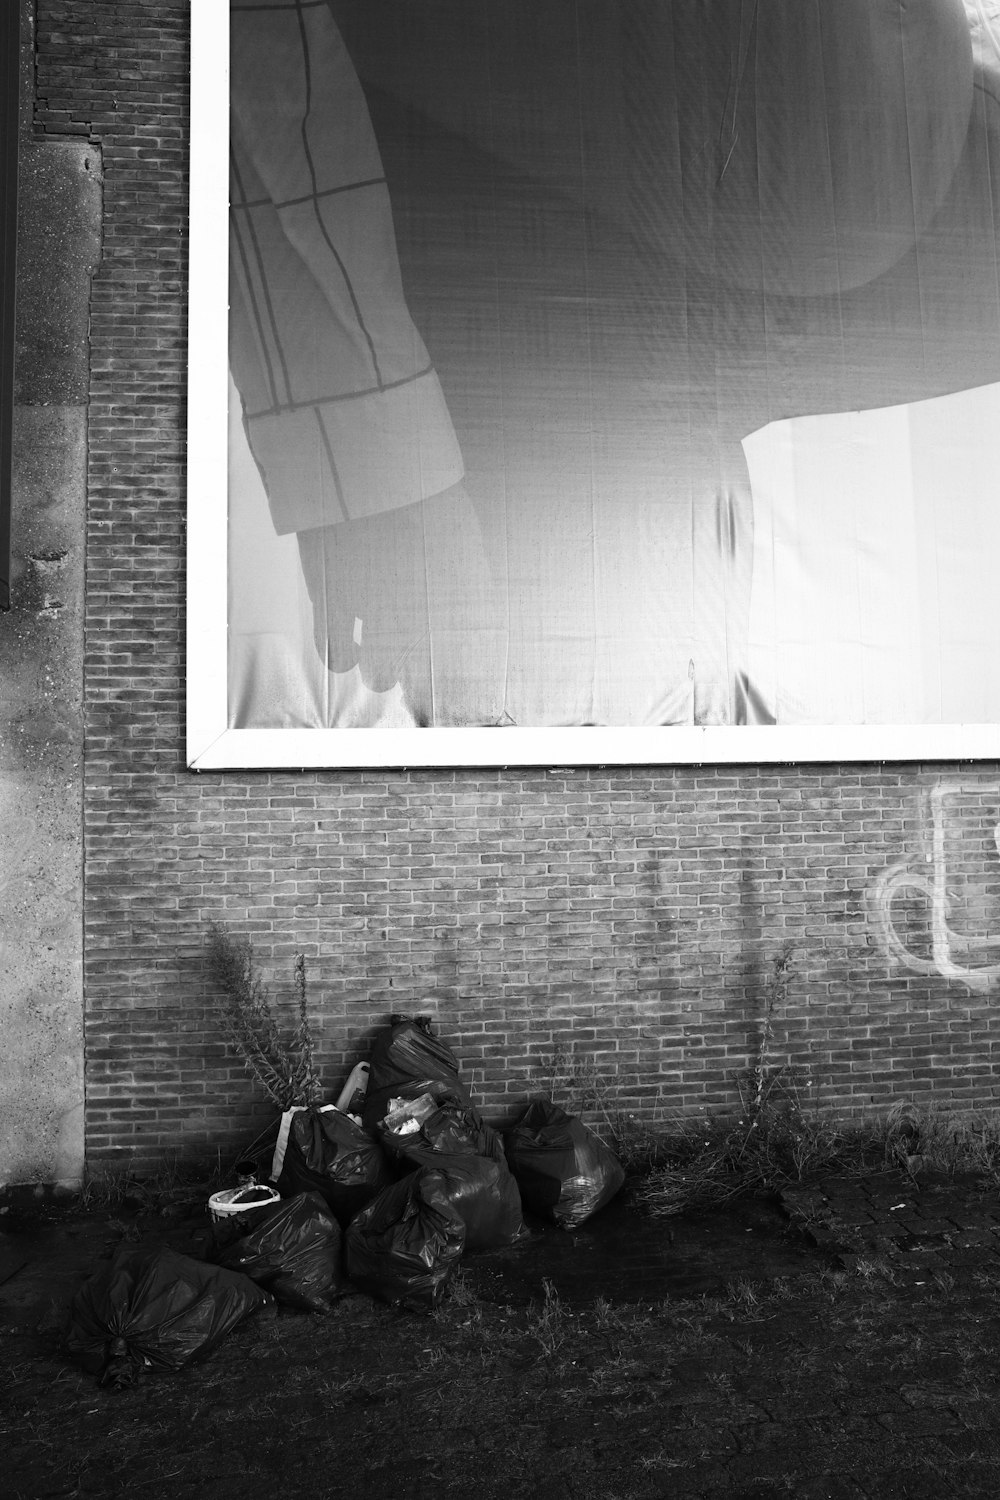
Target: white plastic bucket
(241, 1201)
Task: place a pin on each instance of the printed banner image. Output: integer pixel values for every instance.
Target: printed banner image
(613, 363)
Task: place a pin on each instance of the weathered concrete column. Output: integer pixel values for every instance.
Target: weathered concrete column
(41, 668)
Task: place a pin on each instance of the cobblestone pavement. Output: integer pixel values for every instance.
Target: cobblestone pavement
(917, 1225)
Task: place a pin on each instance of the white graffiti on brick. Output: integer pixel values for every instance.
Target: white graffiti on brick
(952, 953)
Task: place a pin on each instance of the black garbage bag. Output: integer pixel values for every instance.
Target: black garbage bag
(293, 1251)
(156, 1307)
(329, 1153)
(405, 1244)
(441, 1120)
(451, 1137)
(565, 1172)
(405, 1060)
(484, 1192)
(409, 1050)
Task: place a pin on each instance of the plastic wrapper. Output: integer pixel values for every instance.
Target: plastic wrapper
(405, 1116)
(156, 1308)
(406, 1060)
(329, 1153)
(293, 1251)
(438, 1119)
(405, 1244)
(565, 1172)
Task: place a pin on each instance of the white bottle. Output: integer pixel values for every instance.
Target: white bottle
(356, 1085)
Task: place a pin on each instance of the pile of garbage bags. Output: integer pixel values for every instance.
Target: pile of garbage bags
(385, 1192)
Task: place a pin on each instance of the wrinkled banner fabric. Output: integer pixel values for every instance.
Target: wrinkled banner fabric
(621, 362)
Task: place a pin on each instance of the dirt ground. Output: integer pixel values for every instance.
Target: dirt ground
(840, 1342)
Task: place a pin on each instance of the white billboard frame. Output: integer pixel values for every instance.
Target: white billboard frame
(213, 745)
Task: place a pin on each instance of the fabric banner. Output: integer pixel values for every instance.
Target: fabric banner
(613, 362)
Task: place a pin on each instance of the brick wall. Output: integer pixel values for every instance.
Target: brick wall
(633, 915)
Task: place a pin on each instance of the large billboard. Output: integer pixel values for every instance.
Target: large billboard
(594, 381)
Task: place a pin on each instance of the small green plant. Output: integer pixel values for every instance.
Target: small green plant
(873, 1268)
(578, 1085)
(832, 1281)
(105, 1190)
(460, 1292)
(284, 1069)
(550, 1326)
(605, 1314)
(775, 994)
(117, 1189)
(570, 1080)
(743, 1295)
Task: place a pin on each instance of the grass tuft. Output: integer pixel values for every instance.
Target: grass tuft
(778, 1143)
(550, 1326)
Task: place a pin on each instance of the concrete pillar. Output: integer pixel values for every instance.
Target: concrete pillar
(41, 670)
